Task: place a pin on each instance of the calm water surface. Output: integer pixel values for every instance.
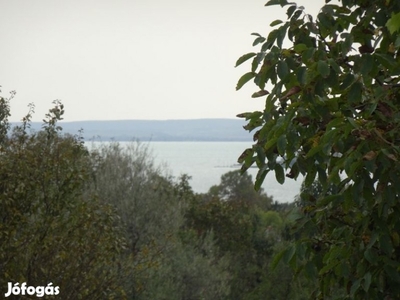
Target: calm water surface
(207, 161)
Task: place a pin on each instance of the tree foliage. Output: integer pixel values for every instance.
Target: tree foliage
(332, 113)
(49, 228)
(235, 186)
(247, 233)
(164, 260)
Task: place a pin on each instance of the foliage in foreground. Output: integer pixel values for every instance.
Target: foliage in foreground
(333, 115)
(49, 229)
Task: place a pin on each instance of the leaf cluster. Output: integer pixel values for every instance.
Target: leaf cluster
(331, 90)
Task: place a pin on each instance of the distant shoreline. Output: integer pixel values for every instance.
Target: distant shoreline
(191, 130)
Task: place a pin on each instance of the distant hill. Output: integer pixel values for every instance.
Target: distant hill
(162, 130)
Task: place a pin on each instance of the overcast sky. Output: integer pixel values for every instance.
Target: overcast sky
(131, 59)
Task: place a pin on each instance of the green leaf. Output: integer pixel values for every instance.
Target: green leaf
(282, 69)
(308, 54)
(270, 143)
(367, 64)
(323, 68)
(367, 281)
(291, 10)
(259, 40)
(281, 35)
(244, 58)
(310, 177)
(277, 258)
(279, 173)
(352, 122)
(355, 286)
(392, 272)
(371, 256)
(348, 80)
(299, 48)
(302, 75)
(249, 115)
(244, 79)
(328, 267)
(246, 153)
(311, 270)
(276, 22)
(334, 65)
(261, 174)
(281, 144)
(324, 20)
(273, 2)
(347, 43)
(393, 24)
(386, 244)
(289, 253)
(387, 60)
(334, 123)
(355, 92)
(374, 237)
(314, 150)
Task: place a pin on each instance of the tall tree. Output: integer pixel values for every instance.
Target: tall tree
(332, 114)
(164, 260)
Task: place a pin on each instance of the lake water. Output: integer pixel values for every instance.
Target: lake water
(205, 162)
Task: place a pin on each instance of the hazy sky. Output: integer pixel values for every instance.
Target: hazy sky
(131, 59)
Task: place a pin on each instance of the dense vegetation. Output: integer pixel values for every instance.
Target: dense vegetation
(106, 223)
(332, 114)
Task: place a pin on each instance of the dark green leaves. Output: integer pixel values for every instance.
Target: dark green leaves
(277, 2)
(281, 144)
(276, 22)
(392, 272)
(347, 43)
(332, 116)
(355, 92)
(244, 79)
(279, 173)
(258, 40)
(371, 256)
(323, 68)
(367, 65)
(244, 58)
(282, 69)
(302, 75)
(281, 35)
